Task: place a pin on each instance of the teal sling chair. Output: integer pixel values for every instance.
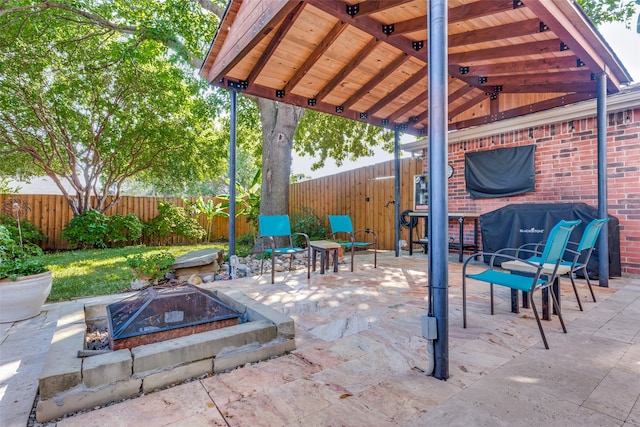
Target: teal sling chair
(543, 273)
(578, 255)
(273, 229)
(341, 224)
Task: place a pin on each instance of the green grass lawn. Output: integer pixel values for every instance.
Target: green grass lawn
(93, 272)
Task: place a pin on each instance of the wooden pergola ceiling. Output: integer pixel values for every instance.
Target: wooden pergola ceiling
(367, 60)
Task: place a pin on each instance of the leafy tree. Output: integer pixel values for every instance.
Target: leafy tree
(185, 28)
(602, 11)
(6, 188)
(99, 107)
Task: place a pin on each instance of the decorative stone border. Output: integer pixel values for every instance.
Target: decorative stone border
(69, 383)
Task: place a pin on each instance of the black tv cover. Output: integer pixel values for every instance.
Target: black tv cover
(501, 172)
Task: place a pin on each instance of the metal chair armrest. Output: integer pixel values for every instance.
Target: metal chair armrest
(368, 231)
(306, 237)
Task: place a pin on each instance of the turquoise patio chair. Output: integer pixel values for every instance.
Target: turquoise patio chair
(275, 231)
(341, 225)
(543, 273)
(579, 255)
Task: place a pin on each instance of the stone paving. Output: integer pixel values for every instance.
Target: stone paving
(360, 360)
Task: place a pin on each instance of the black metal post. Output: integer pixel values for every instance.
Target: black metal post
(232, 175)
(396, 196)
(603, 247)
(438, 203)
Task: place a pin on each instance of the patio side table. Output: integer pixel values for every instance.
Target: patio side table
(517, 267)
(325, 248)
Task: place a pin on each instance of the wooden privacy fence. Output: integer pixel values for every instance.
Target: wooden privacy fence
(366, 194)
(51, 213)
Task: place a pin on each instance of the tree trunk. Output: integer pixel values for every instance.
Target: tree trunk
(279, 123)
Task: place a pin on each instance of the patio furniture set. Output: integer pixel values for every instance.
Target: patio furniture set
(529, 268)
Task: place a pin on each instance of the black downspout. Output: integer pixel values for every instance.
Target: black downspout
(232, 176)
(396, 196)
(603, 248)
(438, 203)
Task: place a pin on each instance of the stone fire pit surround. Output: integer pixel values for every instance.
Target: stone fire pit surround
(69, 383)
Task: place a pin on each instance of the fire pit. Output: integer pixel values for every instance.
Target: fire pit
(161, 313)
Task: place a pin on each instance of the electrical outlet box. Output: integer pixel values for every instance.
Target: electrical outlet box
(429, 327)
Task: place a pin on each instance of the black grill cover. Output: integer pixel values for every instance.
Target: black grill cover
(515, 225)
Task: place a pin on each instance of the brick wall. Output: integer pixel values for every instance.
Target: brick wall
(566, 171)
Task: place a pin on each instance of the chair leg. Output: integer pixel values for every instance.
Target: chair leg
(557, 307)
(575, 291)
(309, 265)
(353, 251)
(261, 263)
(535, 313)
(586, 275)
(375, 255)
(464, 302)
(491, 293)
(273, 268)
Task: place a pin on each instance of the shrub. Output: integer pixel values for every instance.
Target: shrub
(307, 221)
(18, 260)
(124, 229)
(87, 230)
(173, 220)
(30, 233)
(152, 266)
(245, 244)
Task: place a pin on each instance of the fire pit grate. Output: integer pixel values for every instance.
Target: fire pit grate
(160, 313)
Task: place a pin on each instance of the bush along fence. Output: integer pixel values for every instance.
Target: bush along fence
(51, 215)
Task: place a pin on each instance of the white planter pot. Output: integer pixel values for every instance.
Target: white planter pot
(23, 298)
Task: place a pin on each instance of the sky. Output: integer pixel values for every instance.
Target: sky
(624, 42)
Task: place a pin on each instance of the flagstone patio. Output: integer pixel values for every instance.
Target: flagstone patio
(360, 359)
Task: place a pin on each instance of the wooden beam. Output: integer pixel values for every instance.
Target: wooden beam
(572, 87)
(280, 34)
(421, 99)
(521, 111)
(399, 90)
(516, 50)
(456, 14)
(515, 67)
(383, 74)
(327, 40)
(373, 6)
(566, 78)
(561, 77)
(348, 68)
(478, 9)
(562, 24)
(275, 11)
(459, 93)
(368, 25)
(500, 32)
(467, 105)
